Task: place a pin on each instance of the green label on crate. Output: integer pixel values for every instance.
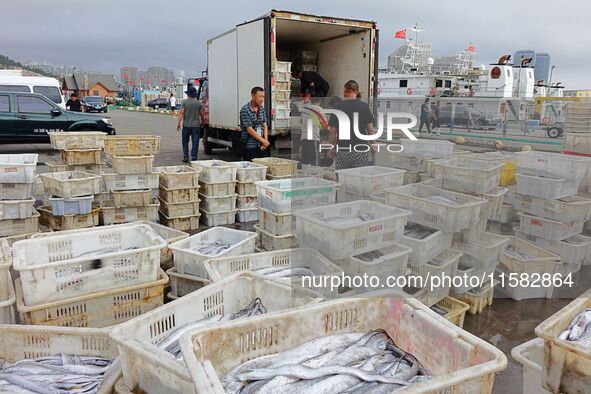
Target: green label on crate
(297, 193)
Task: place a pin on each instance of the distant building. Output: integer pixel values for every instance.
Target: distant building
(43, 66)
(85, 84)
(159, 76)
(540, 62)
(129, 74)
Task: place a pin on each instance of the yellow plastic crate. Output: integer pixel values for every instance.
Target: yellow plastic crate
(456, 310)
(508, 174)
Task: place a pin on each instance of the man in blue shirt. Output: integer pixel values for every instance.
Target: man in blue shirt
(253, 126)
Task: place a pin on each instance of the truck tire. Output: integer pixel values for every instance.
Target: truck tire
(207, 148)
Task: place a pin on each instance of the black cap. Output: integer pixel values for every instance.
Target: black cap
(191, 91)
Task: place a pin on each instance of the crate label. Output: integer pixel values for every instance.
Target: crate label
(536, 222)
(377, 227)
(10, 169)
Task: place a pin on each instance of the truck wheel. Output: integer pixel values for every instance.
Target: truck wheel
(207, 148)
(553, 132)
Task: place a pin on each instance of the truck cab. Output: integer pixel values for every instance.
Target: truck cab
(28, 117)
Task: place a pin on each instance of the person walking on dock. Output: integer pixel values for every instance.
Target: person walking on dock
(425, 116)
(189, 116)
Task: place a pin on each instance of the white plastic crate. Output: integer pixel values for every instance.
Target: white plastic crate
(217, 189)
(77, 140)
(101, 309)
(556, 165)
(176, 177)
(277, 166)
(179, 195)
(219, 269)
(495, 198)
(572, 250)
(132, 164)
(444, 264)
(283, 66)
(27, 342)
(183, 284)
(218, 203)
(112, 215)
(177, 210)
(16, 209)
(531, 356)
(281, 123)
(71, 206)
(506, 214)
(188, 261)
(215, 171)
(367, 226)
(71, 184)
(366, 181)
(443, 348)
(517, 291)
(18, 167)
(16, 191)
(81, 157)
(578, 142)
(549, 229)
(277, 223)
(281, 94)
(473, 275)
(149, 368)
(480, 249)
(545, 187)
(132, 145)
(249, 172)
(122, 182)
(5, 264)
(565, 209)
(246, 202)
(427, 149)
(69, 265)
(8, 304)
(529, 258)
(213, 219)
(282, 76)
(392, 261)
(247, 215)
(10, 227)
(437, 208)
(287, 195)
(389, 159)
(478, 298)
(246, 189)
(426, 248)
(67, 222)
(567, 365)
(91, 168)
(129, 198)
(466, 175)
(186, 223)
(269, 241)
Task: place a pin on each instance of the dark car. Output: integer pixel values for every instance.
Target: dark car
(158, 103)
(480, 120)
(27, 117)
(94, 104)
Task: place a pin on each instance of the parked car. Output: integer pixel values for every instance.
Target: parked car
(160, 102)
(27, 117)
(94, 104)
(480, 120)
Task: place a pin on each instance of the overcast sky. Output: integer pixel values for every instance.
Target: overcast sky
(104, 35)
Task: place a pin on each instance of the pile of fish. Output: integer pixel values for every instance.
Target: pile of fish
(442, 200)
(514, 253)
(210, 248)
(345, 221)
(416, 231)
(340, 363)
(170, 343)
(440, 311)
(284, 272)
(369, 256)
(247, 164)
(579, 329)
(215, 163)
(54, 374)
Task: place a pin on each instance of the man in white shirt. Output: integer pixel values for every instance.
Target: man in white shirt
(172, 102)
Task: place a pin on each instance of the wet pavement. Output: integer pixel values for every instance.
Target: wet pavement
(505, 324)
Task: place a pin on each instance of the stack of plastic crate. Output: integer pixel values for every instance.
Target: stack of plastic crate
(79, 150)
(438, 215)
(17, 178)
(362, 183)
(131, 186)
(247, 173)
(281, 106)
(7, 295)
(178, 196)
(277, 201)
(278, 168)
(217, 192)
(95, 277)
(551, 214)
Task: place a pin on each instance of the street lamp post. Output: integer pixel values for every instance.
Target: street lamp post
(550, 80)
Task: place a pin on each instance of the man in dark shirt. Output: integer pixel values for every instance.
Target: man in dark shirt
(312, 83)
(346, 156)
(73, 104)
(425, 116)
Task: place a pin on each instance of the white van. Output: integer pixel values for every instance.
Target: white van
(49, 87)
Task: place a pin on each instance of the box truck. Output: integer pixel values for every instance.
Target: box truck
(261, 52)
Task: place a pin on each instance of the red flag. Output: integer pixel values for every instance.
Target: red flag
(471, 48)
(400, 34)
